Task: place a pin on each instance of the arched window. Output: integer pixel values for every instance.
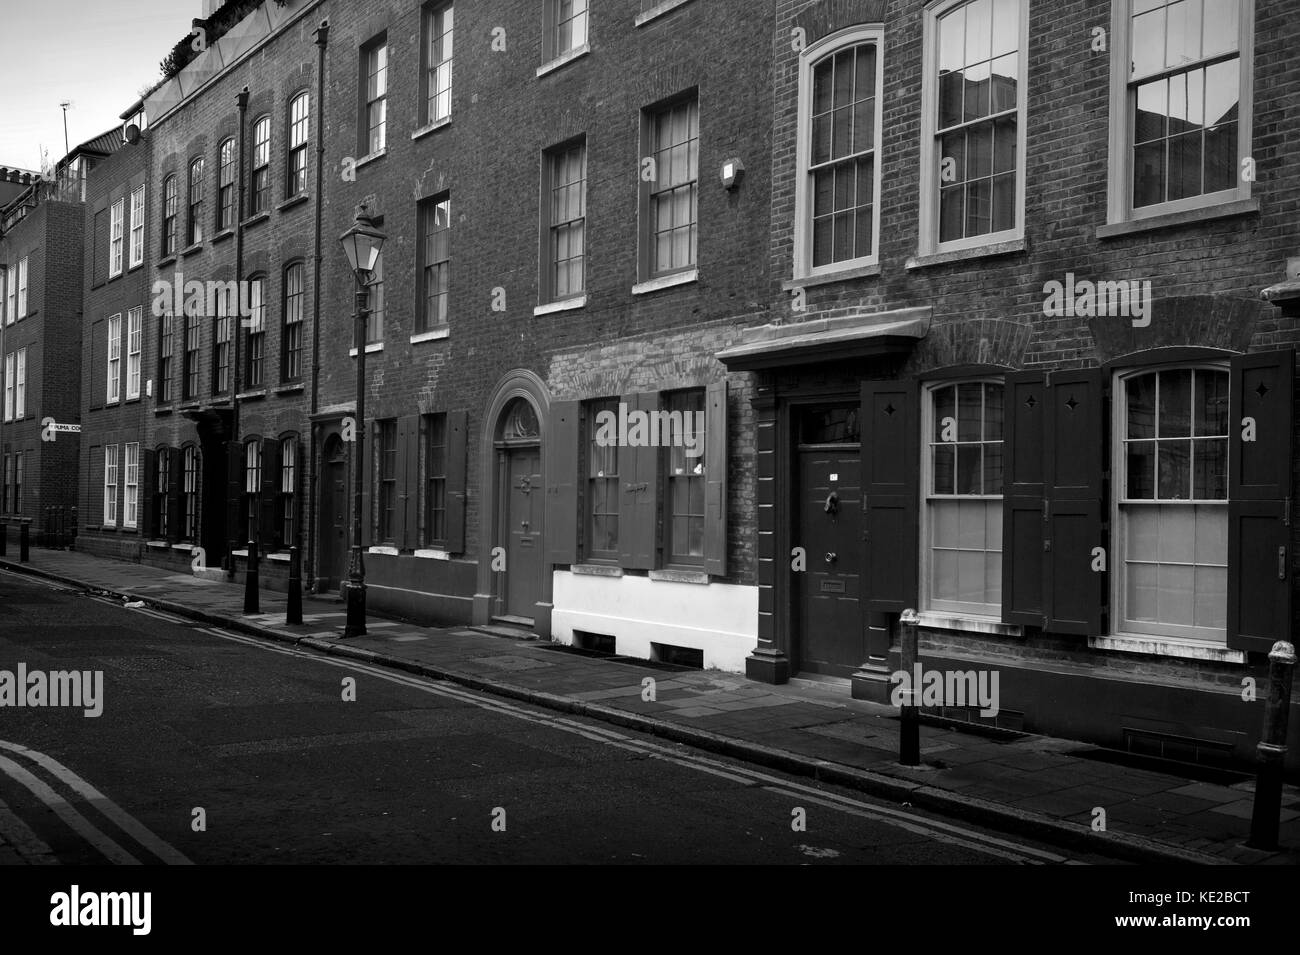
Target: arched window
(261, 183)
(291, 343)
(226, 186)
(169, 216)
(255, 340)
(296, 164)
(191, 482)
(163, 490)
(286, 498)
(249, 499)
(195, 203)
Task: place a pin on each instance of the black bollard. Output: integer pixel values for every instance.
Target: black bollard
(1270, 753)
(909, 729)
(293, 610)
(251, 584)
(24, 534)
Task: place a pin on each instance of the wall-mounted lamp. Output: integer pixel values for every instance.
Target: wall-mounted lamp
(733, 170)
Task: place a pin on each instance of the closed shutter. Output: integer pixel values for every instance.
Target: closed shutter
(94, 484)
(562, 519)
(890, 483)
(175, 492)
(1024, 514)
(408, 482)
(457, 444)
(1076, 450)
(1259, 500)
(638, 509)
(369, 451)
(268, 528)
(715, 476)
(236, 531)
(144, 503)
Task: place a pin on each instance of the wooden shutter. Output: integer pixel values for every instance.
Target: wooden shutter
(407, 534)
(457, 445)
(1024, 510)
(268, 528)
(1259, 499)
(890, 483)
(562, 515)
(1076, 449)
(144, 506)
(715, 475)
(175, 492)
(236, 531)
(370, 455)
(638, 509)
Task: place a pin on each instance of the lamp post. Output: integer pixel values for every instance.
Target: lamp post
(362, 244)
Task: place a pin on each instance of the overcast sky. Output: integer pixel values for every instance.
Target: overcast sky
(100, 54)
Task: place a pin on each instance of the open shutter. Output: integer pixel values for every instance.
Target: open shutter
(715, 476)
(1024, 511)
(562, 483)
(638, 509)
(145, 505)
(1076, 450)
(175, 491)
(1259, 500)
(408, 482)
(890, 456)
(268, 528)
(370, 455)
(457, 443)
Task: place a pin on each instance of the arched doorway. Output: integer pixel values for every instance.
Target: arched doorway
(333, 516)
(520, 501)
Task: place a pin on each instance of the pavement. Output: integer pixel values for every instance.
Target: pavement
(1051, 789)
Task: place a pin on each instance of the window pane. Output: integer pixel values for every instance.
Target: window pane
(1141, 469)
(1175, 404)
(1175, 470)
(1211, 403)
(1221, 25)
(1211, 469)
(970, 466)
(970, 396)
(1141, 394)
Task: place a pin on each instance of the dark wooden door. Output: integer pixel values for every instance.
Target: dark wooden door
(831, 636)
(521, 527)
(334, 515)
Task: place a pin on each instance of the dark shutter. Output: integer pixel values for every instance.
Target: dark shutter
(1024, 513)
(890, 456)
(457, 443)
(408, 482)
(268, 528)
(145, 506)
(638, 508)
(98, 368)
(1259, 500)
(370, 455)
(562, 483)
(1076, 449)
(715, 476)
(236, 531)
(175, 492)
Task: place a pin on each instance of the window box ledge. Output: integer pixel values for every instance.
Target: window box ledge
(257, 219)
(385, 550)
(225, 235)
(428, 128)
(292, 201)
(366, 160)
(431, 336)
(370, 349)
(680, 576)
(943, 620)
(289, 389)
(251, 395)
(962, 255)
(666, 281)
(596, 570)
(1225, 210)
(655, 12)
(830, 278)
(432, 553)
(1166, 647)
(564, 59)
(566, 305)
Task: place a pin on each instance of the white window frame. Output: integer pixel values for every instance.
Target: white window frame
(551, 26)
(115, 238)
(11, 294)
(10, 385)
(137, 227)
(114, 370)
(803, 193)
(434, 70)
(1163, 633)
(110, 485)
(20, 385)
(131, 488)
(22, 288)
(134, 343)
(927, 481)
(1119, 207)
(928, 227)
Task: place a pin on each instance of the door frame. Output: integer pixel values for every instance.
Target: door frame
(519, 383)
(324, 491)
(501, 601)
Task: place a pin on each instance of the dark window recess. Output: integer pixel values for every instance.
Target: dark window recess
(829, 426)
(677, 656)
(594, 642)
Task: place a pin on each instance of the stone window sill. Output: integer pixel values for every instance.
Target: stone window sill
(385, 550)
(830, 278)
(431, 336)
(966, 623)
(192, 248)
(290, 389)
(257, 219)
(1166, 647)
(564, 59)
(666, 281)
(251, 395)
(157, 545)
(291, 202)
(366, 160)
(566, 305)
(280, 557)
(225, 235)
(1238, 207)
(370, 349)
(681, 576)
(428, 128)
(432, 554)
(655, 13)
(962, 255)
(596, 570)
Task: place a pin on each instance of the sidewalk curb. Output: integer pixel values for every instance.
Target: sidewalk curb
(881, 785)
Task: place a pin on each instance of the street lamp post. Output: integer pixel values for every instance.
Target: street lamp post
(362, 243)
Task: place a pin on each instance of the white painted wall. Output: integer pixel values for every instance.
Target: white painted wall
(720, 619)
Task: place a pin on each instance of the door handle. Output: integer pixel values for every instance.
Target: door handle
(831, 557)
(832, 504)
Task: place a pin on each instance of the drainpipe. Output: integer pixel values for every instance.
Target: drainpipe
(232, 506)
(322, 40)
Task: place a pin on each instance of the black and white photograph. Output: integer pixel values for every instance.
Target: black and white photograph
(650, 433)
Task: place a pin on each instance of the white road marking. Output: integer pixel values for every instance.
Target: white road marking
(63, 809)
(111, 810)
(928, 828)
(24, 841)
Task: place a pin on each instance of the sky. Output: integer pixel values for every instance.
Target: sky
(99, 54)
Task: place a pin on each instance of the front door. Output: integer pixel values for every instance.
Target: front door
(828, 526)
(334, 515)
(521, 528)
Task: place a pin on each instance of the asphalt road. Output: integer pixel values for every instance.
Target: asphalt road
(283, 763)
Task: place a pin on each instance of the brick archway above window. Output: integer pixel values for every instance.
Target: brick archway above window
(985, 341)
(822, 19)
(1224, 322)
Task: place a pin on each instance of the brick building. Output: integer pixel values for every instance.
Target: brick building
(1090, 497)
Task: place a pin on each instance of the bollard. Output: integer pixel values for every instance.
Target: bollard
(1271, 751)
(24, 535)
(293, 610)
(909, 729)
(251, 588)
